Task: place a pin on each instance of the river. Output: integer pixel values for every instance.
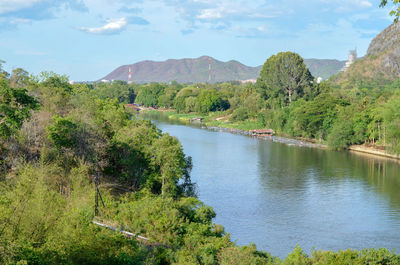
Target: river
(277, 196)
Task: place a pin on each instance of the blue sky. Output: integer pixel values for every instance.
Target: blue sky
(86, 39)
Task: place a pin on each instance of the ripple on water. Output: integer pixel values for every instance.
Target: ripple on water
(278, 196)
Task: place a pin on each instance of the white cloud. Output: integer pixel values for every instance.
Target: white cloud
(13, 5)
(346, 5)
(223, 14)
(210, 14)
(112, 26)
(19, 21)
(365, 3)
(234, 10)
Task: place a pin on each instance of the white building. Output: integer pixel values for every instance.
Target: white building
(248, 81)
(352, 58)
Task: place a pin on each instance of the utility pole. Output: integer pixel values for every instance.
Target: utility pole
(130, 75)
(97, 195)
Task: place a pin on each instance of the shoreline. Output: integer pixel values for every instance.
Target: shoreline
(373, 151)
(273, 138)
(360, 149)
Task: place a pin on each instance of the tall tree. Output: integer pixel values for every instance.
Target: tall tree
(211, 100)
(3, 73)
(19, 78)
(285, 77)
(15, 107)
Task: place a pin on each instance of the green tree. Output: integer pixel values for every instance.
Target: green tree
(19, 78)
(63, 132)
(239, 114)
(169, 157)
(284, 77)
(166, 99)
(3, 73)
(190, 104)
(149, 95)
(396, 11)
(180, 98)
(15, 107)
(391, 123)
(53, 91)
(119, 90)
(341, 135)
(315, 118)
(211, 100)
(180, 104)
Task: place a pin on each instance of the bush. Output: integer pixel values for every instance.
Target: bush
(239, 114)
(341, 135)
(210, 100)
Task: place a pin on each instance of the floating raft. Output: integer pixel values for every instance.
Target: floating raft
(262, 132)
(196, 120)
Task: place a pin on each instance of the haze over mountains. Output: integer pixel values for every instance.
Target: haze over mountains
(197, 70)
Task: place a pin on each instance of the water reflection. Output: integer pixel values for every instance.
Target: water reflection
(278, 196)
(329, 200)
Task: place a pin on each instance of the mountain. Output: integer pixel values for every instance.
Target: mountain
(381, 63)
(324, 68)
(197, 70)
(185, 71)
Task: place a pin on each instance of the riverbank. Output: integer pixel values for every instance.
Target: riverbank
(217, 122)
(373, 151)
(214, 122)
(249, 181)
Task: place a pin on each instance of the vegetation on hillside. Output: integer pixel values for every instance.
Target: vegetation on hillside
(197, 70)
(286, 99)
(56, 136)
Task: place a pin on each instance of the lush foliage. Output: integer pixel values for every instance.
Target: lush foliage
(288, 100)
(48, 158)
(49, 154)
(15, 107)
(396, 11)
(284, 77)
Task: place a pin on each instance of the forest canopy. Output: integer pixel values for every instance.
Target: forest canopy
(56, 136)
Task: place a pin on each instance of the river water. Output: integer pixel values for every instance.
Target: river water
(277, 196)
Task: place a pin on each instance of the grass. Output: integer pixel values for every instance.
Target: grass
(210, 119)
(241, 125)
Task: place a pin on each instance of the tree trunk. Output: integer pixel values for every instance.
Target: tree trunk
(163, 187)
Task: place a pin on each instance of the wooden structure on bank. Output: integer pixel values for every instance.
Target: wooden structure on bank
(262, 132)
(196, 120)
(134, 106)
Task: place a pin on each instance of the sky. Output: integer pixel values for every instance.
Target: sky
(87, 39)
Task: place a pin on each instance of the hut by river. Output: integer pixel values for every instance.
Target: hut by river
(262, 132)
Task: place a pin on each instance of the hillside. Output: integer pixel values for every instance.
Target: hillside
(196, 70)
(185, 71)
(381, 64)
(324, 68)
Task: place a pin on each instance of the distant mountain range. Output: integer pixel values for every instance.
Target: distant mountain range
(197, 70)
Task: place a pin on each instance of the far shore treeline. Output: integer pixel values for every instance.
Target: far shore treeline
(285, 98)
(56, 136)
